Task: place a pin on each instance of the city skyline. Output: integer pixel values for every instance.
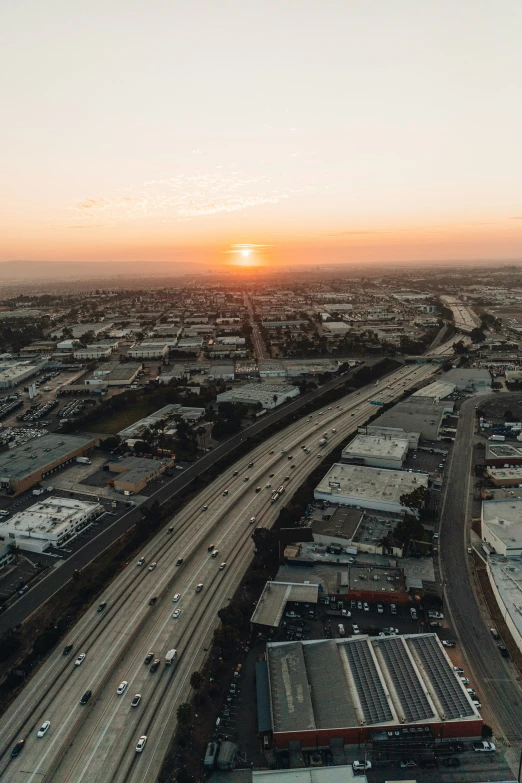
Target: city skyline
(261, 134)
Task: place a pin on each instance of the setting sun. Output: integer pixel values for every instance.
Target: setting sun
(246, 252)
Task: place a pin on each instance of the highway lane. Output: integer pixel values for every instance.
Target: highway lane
(494, 677)
(24, 606)
(83, 740)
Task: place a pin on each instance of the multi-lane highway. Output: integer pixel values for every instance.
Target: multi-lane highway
(97, 741)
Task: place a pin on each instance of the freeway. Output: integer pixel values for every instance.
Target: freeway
(499, 690)
(24, 607)
(257, 338)
(97, 741)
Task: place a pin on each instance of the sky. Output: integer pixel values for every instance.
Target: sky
(260, 131)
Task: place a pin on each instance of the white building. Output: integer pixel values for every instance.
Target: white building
(469, 378)
(436, 391)
(376, 488)
(230, 340)
(392, 432)
(376, 452)
(13, 373)
(151, 350)
(93, 352)
(50, 522)
(502, 526)
(270, 395)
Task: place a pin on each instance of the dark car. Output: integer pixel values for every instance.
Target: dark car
(170, 529)
(250, 465)
(67, 649)
(86, 696)
(503, 650)
(179, 561)
(153, 600)
(457, 747)
(17, 749)
(451, 761)
(148, 658)
(102, 606)
(155, 664)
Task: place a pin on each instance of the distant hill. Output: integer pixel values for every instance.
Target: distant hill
(82, 270)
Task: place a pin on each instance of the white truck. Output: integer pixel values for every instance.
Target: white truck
(322, 442)
(170, 657)
(83, 460)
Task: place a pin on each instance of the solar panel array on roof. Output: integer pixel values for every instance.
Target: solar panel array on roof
(409, 689)
(444, 683)
(371, 693)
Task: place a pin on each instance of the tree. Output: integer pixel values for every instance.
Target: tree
(407, 529)
(184, 714)
(140, 447)
(196, 680)
(415, 499)
(486, 732)
(110, 443)
(477, 335)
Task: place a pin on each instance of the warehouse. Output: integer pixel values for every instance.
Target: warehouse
(502, 454)
(469, 378)
(342, 689)
(136, 472)
(435, 391)
(277, 596)
(505, 477)
(269, 395)
(392, 432)
(152, 350)
(376, 452)
(27, 464)
(416, 415)
(502, 526)
(375, 488)
(50, 522)
(14, 373)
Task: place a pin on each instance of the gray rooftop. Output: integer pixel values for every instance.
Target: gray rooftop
(38, 453)
(271, 605)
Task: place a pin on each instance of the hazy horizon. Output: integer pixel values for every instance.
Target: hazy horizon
(297, 134)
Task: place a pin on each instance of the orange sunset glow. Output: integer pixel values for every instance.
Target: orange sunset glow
(261, 134)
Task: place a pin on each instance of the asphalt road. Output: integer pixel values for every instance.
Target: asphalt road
(24, 606)
(97, 741)
(495, 677)
(257, 339)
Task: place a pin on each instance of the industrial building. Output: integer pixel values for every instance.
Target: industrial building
(27, 464)
(14, 373)
(134, 473)
(376, 452)
(278, 596)
(358, 529)
(391, 432)
(158, 349)
(473, 378)
(505, 477)
(501, 526)
(175, 410)
(502, 454)
(50, 522)
(373, 488)
(268, 395)
(344, 689)
(417, 415)
(436, 391)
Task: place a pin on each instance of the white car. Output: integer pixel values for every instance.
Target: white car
(252, 520)
(484, 747)
(141, 744)
(152, 566)
(80, 659)
(176, 598)
(43, 728)
(355, 629)
(141, 561)
(361, 766)
(176, 614)
(121, 687)
(136, 700)
(464, 680)
(366, 607)
(380, 608)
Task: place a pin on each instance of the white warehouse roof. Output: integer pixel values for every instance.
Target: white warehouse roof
(376, 446)
(353, 483)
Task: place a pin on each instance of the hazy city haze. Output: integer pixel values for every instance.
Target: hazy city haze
(249, 133)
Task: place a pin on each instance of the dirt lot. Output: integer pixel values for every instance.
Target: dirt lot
(495, 409)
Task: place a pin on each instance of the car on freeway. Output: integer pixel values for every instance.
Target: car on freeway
(204, 508)
(246, 478)
(271, 475)
(152, 566)
(258, 489)
(361, 766)
(222, 566)
(136, 700)
(179, 561)
(141, 744)
(153, 600)
(102, 606)
(199, 588)
(268, 485)
(503, 650)
(211, 548)
(85, 698)
(176, 614)
(235, 473)
(292, 467)
(448, 643)
(67, 649)
(155, 664)
(176, 598)
(141, 561)
(121, 687)
(225, 492)
(271, 452)
(252, 520)
(170, 529)
(42, 731)
(250, 465)
(148, 658)
(17, 749)
(80, 659)
(451, 761)
(484, 747)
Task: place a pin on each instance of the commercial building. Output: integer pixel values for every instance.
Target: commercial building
(175, 410)
(14, 373)
(123, 374)
(150, 350)
(414, 415)
(503, 455)
(469, 378)
(278, 596)
(373, 488)
(359, 530)
(376, 452)
(222, 372)
(134, 473)
(344, 689)
(27, 464)
(268, 395)
(505, 477)
(50, 522)
(391, 432)
(90, 352)
(435, 391)
(501, 526)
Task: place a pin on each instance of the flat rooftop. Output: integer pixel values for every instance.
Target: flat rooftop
(376, 446)
(122, 371)
(38, 453)
(504, 519)
(47, 516)
(436, 390)
(507, 576)
(342, 683)
(369, 483)
(275, 596)
(506, 474)
(499, 450)
(341, 524)
(425, 418)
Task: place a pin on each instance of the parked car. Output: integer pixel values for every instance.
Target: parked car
(451, 761)
(407, 763)
(484, 747)
(449, 643)
(413, 613)
(361, 766)
(380, 608)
